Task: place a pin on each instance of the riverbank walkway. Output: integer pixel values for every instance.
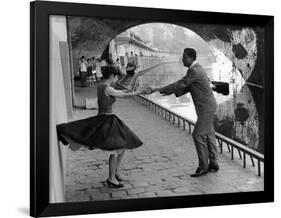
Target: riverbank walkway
(161, 167)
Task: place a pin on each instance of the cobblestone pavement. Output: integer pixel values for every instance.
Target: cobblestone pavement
(161, 167)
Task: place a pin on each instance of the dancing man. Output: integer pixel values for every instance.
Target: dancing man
(197, 83)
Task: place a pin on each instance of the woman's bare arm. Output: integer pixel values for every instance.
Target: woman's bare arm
(121, 94)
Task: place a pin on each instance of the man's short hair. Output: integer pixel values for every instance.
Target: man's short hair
(190, 52)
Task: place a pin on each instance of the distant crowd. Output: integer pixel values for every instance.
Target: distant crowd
(90, 69)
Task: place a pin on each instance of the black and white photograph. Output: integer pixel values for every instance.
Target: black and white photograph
(143, 109)
(140, 108)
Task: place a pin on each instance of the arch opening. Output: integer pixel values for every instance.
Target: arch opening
(234, 49)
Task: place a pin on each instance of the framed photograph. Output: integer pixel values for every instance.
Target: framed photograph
(142, 109)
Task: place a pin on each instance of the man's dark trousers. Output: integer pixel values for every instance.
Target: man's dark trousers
(205, 139)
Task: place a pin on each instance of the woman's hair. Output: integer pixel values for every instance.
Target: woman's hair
(107, 71)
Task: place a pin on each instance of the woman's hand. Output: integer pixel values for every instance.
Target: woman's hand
(142, 90)
(148, 90)
(151, 90)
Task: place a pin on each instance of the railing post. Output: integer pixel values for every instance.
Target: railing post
(228, 147)
(220, 143)
(244, 159)
(239, 154)
(259, 168)
(253, 163)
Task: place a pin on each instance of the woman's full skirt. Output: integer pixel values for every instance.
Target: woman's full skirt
(105, 131)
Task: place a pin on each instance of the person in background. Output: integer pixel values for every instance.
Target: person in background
(83, 71)
(131, 59)
(103, 63)
(90, 77)
(136, 61)
(94, 62)
(94, 68)
(79, 63)
(126, 58)
(89, 67)
(117, 64)
(98, 70)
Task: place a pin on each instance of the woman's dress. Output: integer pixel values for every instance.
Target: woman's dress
(104, 131)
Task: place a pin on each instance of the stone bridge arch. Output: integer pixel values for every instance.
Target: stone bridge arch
(244, 46)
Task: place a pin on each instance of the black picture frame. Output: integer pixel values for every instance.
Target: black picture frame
(39, 108)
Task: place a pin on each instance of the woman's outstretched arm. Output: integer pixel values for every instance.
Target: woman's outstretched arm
(121, 94)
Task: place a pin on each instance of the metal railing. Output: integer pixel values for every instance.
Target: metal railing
(141, 72)
(187, 124)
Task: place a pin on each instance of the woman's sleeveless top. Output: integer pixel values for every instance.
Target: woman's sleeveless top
(104, 102)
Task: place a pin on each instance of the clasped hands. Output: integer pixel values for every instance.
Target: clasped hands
(147, 90)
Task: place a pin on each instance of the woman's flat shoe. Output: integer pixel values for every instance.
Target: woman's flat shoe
(109, 183)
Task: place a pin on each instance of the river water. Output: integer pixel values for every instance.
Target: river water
(236, 116)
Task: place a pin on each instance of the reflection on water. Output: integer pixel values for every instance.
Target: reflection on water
(236, 115)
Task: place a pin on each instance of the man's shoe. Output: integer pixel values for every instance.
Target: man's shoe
(199, 172)
(213, 167)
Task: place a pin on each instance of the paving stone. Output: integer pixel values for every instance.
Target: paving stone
(154, 188)
(136, 191)
(181, 190)
(118, 194)
(165, 193)
(140, 184)
(99, 197)
(131, 196)
(147, 195)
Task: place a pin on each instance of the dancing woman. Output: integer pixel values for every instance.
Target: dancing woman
(104, 131)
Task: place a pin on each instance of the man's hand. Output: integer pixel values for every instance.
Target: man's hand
(148, 90)
(153, 89)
